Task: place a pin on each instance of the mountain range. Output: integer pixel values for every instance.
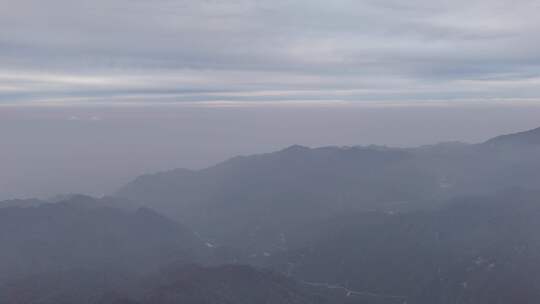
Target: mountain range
(439, 224)
(253, 202)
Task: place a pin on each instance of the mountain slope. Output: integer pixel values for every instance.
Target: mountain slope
(476, 250)
(190, 284)
(21, 203)
(252, 203)
(82, 232)
(530, 137)
(227, 284)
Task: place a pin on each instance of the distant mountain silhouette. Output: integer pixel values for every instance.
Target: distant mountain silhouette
(530, 137)
(22, 203)
(107, 201)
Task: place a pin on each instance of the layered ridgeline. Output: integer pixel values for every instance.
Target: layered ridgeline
(472, 250)
(79, 249)
(441, 224)
(90, 234)
(254, 203)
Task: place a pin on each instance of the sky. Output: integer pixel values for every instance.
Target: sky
(237, 51)
(93, 93)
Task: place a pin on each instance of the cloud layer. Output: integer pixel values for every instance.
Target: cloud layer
(246, 52)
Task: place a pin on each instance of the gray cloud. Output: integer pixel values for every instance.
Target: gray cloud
(164, 51)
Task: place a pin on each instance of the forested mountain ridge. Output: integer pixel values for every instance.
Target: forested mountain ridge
(473, 250)
(252, 201)
(440, 224)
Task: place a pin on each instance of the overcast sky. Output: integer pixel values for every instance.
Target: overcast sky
(162, 51)
(94, 92)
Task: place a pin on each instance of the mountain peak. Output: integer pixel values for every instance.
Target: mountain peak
(296, 148)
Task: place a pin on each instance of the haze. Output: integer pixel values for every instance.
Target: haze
(47, 151)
